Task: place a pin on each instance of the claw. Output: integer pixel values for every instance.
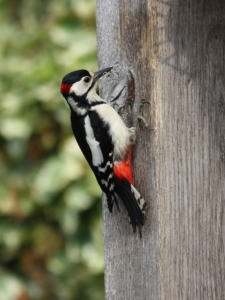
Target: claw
(140, 117)
(132, 131)
(143, 120)
(144, 102)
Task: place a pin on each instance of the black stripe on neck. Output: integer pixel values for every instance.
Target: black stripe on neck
(82, 101)
(97, 103)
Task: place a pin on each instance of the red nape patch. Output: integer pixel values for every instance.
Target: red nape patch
(65, 88)
(123, 169)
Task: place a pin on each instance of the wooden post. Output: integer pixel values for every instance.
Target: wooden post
(170, 53)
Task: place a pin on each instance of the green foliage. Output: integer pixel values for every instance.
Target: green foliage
(50, 208)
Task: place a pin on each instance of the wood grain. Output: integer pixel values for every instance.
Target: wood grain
(174, 50)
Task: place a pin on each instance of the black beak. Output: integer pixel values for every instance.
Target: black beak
(100, 73)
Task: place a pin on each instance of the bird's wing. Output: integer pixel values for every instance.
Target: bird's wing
(97, 147)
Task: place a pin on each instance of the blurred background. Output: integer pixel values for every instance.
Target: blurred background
(50, 205)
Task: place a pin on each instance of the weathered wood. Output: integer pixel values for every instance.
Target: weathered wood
(174, 51)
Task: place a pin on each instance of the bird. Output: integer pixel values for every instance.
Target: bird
(106, 142)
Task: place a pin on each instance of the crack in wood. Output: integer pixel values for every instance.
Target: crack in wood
(118, 95)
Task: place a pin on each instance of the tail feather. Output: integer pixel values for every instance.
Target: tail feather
(111, 199)
(133, 202)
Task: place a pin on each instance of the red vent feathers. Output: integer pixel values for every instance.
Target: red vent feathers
(124, 169)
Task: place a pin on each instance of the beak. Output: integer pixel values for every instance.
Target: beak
(100, 73)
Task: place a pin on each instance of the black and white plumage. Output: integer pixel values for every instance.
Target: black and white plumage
(104, 140)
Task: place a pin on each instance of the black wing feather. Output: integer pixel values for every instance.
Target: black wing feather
(104, 172)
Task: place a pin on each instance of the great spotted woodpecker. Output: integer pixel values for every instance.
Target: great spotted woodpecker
(104, 140)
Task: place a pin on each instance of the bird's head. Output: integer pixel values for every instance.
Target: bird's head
(81, 82)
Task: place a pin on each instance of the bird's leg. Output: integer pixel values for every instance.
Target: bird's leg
(132, 131)
(140, 115)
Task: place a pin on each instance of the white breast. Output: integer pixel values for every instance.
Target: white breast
(117, 129)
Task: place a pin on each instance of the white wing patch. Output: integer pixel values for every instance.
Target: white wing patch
(97, 156)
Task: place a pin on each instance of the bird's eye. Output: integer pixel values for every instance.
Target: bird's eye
(87, 79)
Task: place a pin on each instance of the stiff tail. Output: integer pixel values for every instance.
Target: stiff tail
(111, 199)
(133, 202)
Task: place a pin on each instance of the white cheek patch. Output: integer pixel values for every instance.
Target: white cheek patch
(92, 96)
(80, 87)
(97, 157)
